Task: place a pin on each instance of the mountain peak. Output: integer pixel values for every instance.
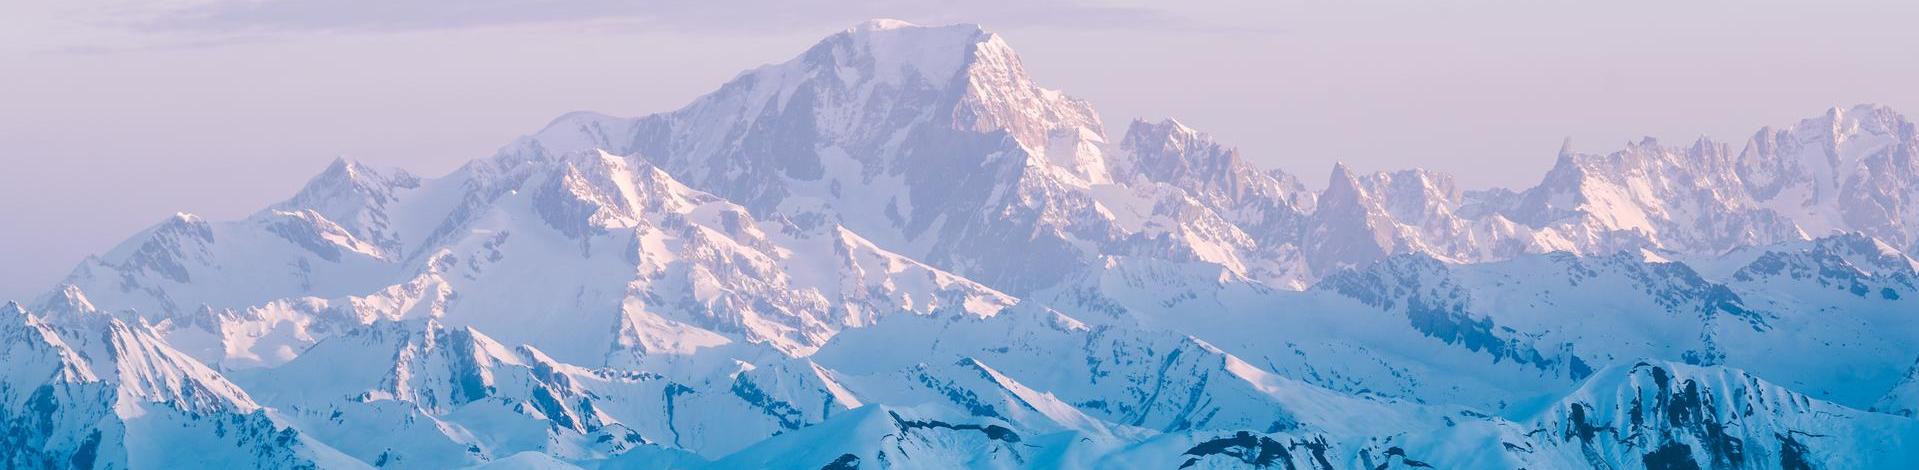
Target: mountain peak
(1344, 184)
(69, 300)
(1176, 126)
(882, 24)
(1342, 173)
(893, 51)
(1837, 123)
(1857, 110)
(342, 164)
(1168, 133)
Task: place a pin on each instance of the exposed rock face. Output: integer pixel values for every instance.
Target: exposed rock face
(898, 250)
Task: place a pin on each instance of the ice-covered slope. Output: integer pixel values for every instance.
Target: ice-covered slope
(1835, 335)
(468, 399)
(1903, 399)
(1849, 170)
(930, 140)
(896, 249)
(587, 254)
(1657, 415)
(934, 143)
(960, 159)
(1506, 334)
(87, 391)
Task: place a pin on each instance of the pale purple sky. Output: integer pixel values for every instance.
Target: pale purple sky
(116, 113)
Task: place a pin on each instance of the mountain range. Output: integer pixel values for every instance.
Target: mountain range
(897, 250)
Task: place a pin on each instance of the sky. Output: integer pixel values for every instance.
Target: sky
(115, 114)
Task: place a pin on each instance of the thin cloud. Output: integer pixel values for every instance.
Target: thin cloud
(736, 17)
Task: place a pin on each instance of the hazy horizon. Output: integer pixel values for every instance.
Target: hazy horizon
(121, 113)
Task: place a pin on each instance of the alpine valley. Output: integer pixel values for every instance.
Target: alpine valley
(898, 251)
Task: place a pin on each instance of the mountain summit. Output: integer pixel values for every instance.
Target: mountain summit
(898, 250)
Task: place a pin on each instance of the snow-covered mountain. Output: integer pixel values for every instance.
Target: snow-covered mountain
(87, 391)
(898, 250)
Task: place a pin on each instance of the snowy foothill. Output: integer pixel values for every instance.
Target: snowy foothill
(898, 250)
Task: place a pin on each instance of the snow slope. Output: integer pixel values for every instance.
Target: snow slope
(899, 250)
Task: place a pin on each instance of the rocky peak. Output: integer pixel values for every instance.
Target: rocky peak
(884, 99)
(1348, 226)
(354, 196)
(68, 300)
(1170, 152)
(1415, 196)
